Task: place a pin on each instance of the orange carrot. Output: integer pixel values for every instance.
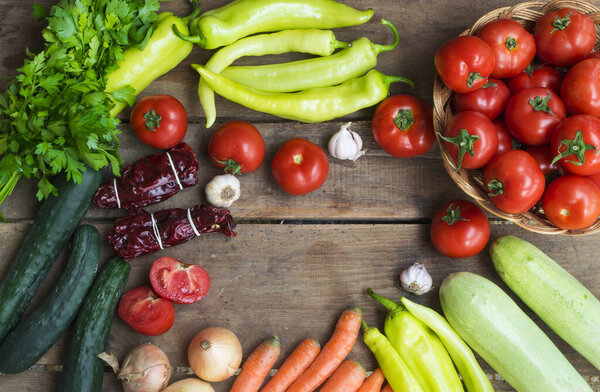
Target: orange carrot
(348, 377)
(387, 388)
(257, 366)
(333, 353)
(298, 361)
(374, 382)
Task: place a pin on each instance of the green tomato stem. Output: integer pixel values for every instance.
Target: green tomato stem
(576, 147)
(404, 119)
(453, 215)
(464, 141)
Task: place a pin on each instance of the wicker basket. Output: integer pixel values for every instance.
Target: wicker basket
(471, 181)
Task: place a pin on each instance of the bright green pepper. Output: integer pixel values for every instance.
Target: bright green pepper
(163, 52)
(314, 105)
(473, 376)
(317, 42)
(396, 371)
(240, 18)
(348, 63)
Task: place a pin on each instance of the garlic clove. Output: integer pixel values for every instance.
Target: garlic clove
(415, 279)
(346, 144)
(223, 190)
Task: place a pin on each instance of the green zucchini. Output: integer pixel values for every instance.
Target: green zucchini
(559, 299)
(36, 333)
(82, 369)
(505, 337)
(53, 226)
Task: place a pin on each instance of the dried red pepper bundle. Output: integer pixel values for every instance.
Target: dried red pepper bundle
(151, 179)
(142, 233)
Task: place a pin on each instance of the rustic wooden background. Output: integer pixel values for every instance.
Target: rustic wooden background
(297, 262)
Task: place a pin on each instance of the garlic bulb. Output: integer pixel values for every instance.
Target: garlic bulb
(346, 144)
(223, 190)
(415, 279)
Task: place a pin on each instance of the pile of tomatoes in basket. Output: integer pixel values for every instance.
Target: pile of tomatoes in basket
(527, 112)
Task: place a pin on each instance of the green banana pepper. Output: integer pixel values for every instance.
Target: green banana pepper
(418, 345)
(240, 18)
(396, 371)
(314, 105)
(138, 68)
(317, 42)
(348, 63)
(473, 376)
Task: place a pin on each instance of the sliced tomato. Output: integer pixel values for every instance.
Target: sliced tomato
(146, 312)
(179, 282)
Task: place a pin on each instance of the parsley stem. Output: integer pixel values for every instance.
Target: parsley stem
(8, 188)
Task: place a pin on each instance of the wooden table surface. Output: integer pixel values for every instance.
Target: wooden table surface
(298, 261)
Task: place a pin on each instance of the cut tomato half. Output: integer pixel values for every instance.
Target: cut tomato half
(146, 312)
(179, 282)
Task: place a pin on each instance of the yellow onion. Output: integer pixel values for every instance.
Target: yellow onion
(189, 385)
(215, 354)
(146, 368)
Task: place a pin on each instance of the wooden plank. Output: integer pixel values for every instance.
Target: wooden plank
(294, 280)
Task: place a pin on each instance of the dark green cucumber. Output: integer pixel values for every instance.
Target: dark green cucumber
(82, 369)
(38, 331)
(53, 226)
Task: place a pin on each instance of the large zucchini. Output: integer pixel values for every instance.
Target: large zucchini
(559, 299)
(53, 226)
(35, 334)
(505, 337)
(82, 369)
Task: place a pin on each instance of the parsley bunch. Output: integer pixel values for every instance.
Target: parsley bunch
(54, 115)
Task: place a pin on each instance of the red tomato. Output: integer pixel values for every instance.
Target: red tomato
(178, 282)
(572, 202)
(238, 147)
(543, 156)
(299, 166)
(471, 139)
(464, 63)
(514, 181)
(581, 88)
(146, 312)
(513, 46)
(403, 126)
(490, 99)
(460, 229)
(532, 114)
(536, 76)
(564, 37)
(505, 139)
(159, 121)
(576, 144)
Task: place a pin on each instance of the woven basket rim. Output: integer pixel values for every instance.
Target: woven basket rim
(470, 181)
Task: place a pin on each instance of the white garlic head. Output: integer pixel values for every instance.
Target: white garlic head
(415, 279)
(346, 144)
(223, 190)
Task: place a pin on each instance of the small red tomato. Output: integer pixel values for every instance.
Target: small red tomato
(178, 282)
(505, 139)
(490, 99)
(564, 37)
(532, 114)
(159, 121)
(471, 139)
(513, 46)
(464, 63)
(146, 312)
(580, 90)
(536, 76)
(543, 156)
(238, 147)
(572, 202)
(403, 126)
(300, 166)
(460, 229)
(514, 181)
(576, 144)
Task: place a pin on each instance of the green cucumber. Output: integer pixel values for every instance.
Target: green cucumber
(505, 337)
(82, 369)
(559, 299)
(36, 333)
(52, 227)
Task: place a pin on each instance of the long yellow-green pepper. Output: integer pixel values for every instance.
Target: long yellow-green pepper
(396, 371)
(473, 376)
(420, 348)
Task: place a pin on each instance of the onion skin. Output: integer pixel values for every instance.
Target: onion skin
(215, 354)
(189, 385)
(146, 369)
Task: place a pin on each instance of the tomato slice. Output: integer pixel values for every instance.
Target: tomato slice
(179, 282)
(146, 312)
